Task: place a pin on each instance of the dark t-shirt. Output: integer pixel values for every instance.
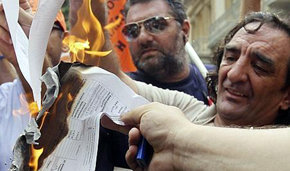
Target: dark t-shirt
(194, 84)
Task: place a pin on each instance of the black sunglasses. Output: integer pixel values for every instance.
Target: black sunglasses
(152, 25)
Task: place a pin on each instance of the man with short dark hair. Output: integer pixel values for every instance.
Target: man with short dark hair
(253, 77)
(157, 31)
(253, 91)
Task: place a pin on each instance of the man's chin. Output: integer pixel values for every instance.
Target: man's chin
(231, 111)
(158, 74)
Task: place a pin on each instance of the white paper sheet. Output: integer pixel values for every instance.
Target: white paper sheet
(38, 38)
(102, 93)
(19, 39)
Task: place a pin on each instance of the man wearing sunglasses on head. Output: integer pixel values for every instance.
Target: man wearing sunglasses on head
(157, 31)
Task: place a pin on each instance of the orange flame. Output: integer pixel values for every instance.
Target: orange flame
(35, 154)
(86, 40)
(69, 97)
(33, 108)
(114, 24)
(23, 109)
(87, 35)
(69, 101)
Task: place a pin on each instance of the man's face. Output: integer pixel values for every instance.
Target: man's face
(251, 77)
(54, 46)
(157, 54)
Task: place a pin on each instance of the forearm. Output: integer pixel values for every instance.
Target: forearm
(109, 62)
(7, 72)
(212, 148)
(249, 6)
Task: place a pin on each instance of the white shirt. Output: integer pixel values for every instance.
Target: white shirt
(14, 117)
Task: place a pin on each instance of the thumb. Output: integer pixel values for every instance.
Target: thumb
(25, 20)
(106, 122)
(24, 4)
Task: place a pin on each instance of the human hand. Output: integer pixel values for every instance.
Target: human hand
(159, 124)
(25, 20)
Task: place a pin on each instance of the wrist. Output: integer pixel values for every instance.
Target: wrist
(183, 146)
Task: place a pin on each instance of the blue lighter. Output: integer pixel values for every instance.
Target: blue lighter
(144, 153)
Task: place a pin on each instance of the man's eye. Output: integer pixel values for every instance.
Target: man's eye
(259, 69)
(230, 59)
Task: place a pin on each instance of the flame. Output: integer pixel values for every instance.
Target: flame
(86, 41)
(69, 101)
(33, 108)
(35, 154)
(23, 109)
(87, 37)
(69, 97)
(114, 24)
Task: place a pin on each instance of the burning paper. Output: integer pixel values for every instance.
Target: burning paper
(70, 128)
(38, 38)
(30, 52)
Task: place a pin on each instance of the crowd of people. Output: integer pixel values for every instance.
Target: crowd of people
(253, 90)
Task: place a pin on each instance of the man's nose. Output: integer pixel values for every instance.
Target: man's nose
(144, 36)
(239, 71)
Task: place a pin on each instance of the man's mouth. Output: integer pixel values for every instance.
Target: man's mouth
(235, 92)
(148, 51)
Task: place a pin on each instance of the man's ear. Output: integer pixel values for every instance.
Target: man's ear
(64, 47)
(285, 104)
(185, 30)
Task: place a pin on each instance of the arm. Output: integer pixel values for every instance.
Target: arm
(7, 73)
(180, 145)
(110, 62)
(6, 46)
(215, 148)
(249, 6)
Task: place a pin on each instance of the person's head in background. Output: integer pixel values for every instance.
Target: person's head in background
(55, 46)
(157, 31)
(253, 62)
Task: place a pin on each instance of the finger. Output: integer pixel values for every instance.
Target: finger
(5, 36)
(3, 22)
(24, 4)
(106, 122)
(134, 116)
(8, 51)
(25, 18)
(131, 157)
(1, 6)
(134, 136)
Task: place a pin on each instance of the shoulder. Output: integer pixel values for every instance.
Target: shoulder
(11, 87)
